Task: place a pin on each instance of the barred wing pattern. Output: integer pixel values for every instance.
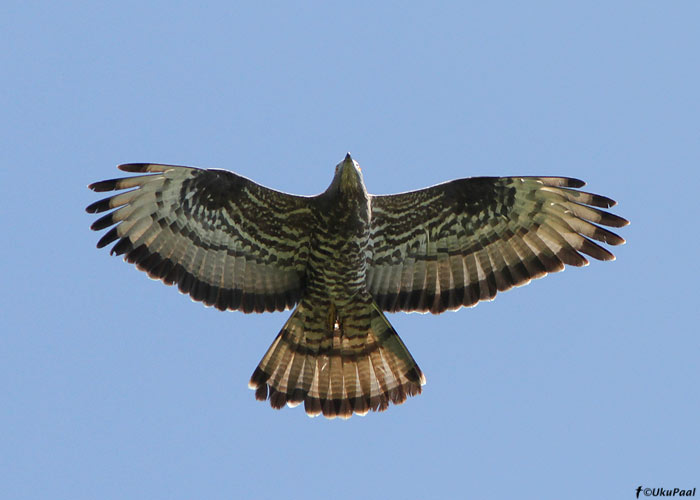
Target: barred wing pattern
(222, 238)
(461, 242)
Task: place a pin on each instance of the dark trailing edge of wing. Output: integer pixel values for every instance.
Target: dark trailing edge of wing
(170, 273)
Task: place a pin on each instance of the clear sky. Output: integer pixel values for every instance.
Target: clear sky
(580, 385)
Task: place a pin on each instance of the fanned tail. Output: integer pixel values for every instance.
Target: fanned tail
(337, 362)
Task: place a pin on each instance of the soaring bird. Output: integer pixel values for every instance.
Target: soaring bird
(343, 258)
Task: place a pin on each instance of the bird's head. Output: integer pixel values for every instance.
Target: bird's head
(348, 177)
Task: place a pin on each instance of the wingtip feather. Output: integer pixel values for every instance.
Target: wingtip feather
(101, 186)
(574, 182)
(141, 168)
(134, 167)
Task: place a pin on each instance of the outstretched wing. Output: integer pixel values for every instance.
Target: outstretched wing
(460, 242)
(222, 238)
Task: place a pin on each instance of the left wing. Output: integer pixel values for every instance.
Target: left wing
(222, 238)
(461, 242)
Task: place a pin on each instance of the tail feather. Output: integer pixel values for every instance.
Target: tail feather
(338, 362)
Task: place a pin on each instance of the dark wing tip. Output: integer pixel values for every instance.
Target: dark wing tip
(98, 206)
(595, 250)
(592, 199)
(108, 185)
(561, 182)
(613, 220)
(108, 238)
(573, 182)
(613, 239)
(604, 201)
(102, 222)
(134, 167)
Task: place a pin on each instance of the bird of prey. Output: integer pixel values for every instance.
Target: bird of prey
(343, 258)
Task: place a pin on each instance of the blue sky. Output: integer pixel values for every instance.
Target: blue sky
(580, 385)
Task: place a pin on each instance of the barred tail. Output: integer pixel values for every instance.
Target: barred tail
(337, 362)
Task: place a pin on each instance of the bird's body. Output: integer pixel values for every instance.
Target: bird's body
(341, 221)
(337, 342)
(343, 257)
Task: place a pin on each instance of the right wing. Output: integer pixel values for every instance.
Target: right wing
(223, 239)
